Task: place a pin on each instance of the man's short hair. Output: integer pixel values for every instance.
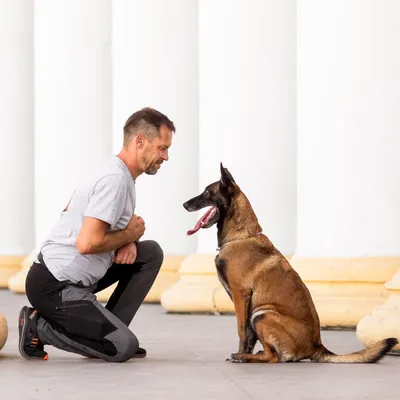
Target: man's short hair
(147, 121)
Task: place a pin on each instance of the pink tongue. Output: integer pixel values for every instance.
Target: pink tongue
(195, 229)
(198, 223)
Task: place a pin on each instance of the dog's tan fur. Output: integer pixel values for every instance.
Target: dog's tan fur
(272, 303)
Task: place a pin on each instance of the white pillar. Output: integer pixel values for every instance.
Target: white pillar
(72, 103)
(155, 64)
(348, 164)
(16, 135)
(247, 121)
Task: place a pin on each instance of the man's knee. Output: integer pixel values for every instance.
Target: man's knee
(127, 347)
(155, 252)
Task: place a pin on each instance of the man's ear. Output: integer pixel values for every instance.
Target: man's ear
(226, 177)
(140, 140)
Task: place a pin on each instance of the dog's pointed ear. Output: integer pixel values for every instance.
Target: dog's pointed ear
(226, 176)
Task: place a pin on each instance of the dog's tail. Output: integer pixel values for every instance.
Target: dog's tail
(370, 354)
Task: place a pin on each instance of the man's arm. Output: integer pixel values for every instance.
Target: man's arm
(105, 207)
(94, 238)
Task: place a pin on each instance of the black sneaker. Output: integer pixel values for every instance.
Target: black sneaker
(30, 345)
(141, 353)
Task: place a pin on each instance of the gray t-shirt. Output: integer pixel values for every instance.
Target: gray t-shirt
(109, 196)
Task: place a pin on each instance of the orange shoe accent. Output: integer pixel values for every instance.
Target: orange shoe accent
(46, 357)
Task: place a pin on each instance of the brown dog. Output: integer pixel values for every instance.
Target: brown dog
(272, 303)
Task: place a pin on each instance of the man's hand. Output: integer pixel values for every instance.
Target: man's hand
(135, 228)
(126, 254)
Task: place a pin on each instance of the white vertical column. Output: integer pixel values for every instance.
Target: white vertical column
(155, 64)
(247, 75)
(247, 109)
(16, 135)
(72, 102)
(348, 163)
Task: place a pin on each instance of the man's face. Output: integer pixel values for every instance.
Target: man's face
(155, 152)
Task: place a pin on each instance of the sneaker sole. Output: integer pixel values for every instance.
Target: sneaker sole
(23, 315)
(140, 355)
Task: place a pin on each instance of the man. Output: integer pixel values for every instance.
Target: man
(94, 244)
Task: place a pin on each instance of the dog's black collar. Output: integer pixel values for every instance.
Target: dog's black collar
(233, 240)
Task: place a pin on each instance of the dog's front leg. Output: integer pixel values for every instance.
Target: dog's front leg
(251, 339)
(241, 300)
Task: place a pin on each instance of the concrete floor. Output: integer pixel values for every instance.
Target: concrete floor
(186, 359)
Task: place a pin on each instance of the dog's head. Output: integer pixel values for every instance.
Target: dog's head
(218, 196)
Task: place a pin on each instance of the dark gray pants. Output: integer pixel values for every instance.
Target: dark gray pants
(71, 318)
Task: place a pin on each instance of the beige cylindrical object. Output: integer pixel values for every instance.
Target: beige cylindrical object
(3, 331)
(384, 321)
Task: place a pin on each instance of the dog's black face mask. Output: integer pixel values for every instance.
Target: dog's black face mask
(217, 196)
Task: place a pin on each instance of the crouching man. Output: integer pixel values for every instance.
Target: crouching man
(94, 244)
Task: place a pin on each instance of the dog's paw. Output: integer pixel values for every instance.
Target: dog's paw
(236, 358)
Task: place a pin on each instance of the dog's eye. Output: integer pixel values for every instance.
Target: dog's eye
(207, 193)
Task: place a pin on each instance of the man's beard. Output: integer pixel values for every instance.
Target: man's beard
(152, 168)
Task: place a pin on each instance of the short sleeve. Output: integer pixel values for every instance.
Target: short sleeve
(108, 199)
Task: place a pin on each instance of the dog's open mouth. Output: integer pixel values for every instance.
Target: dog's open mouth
(205, 221)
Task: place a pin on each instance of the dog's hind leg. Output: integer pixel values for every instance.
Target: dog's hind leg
(269, 355)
